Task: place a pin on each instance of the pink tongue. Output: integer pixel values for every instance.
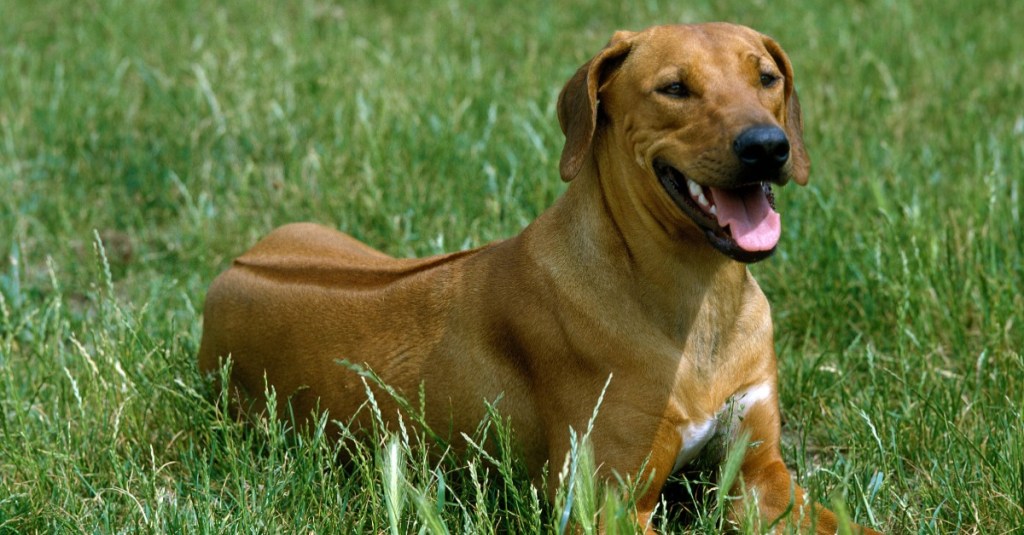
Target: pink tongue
(753, 223)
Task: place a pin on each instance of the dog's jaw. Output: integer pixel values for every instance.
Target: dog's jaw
(701, 205)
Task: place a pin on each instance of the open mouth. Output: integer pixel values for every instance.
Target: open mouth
(740, 222)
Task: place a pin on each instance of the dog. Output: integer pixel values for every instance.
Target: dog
(674, 139)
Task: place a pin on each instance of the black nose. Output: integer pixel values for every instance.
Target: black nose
(762, 147)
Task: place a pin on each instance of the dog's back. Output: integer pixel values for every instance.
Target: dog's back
(297, 302)
(308, 302)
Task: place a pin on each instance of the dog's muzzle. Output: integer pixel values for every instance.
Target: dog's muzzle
(740, 221)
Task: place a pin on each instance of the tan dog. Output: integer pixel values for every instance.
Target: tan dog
(673, 137)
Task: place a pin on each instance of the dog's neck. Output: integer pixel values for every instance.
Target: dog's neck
(647, 221)
(608, 237)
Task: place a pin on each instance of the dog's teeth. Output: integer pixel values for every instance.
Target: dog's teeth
(695, 188)
(713, 211)
(702, 200)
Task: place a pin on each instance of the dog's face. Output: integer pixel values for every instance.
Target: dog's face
(709, 113)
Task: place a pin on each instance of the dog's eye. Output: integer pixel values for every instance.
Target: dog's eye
(675, 89)
(768, 79)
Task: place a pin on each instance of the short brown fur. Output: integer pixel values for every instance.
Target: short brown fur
(612, 280)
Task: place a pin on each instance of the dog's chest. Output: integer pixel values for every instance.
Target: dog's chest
(719, 428)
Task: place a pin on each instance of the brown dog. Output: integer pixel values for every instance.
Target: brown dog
(673, 138)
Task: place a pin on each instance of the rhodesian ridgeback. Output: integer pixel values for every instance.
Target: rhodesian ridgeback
(674, 138)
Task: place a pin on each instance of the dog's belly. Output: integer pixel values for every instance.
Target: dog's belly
(695, 436)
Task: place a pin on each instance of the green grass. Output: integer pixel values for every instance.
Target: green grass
(179, 132)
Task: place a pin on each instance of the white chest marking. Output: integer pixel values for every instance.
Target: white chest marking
(695, 435)
(740, 403)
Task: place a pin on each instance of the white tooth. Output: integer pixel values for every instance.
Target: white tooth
(713, 211)
(702, 200)
(695, 188)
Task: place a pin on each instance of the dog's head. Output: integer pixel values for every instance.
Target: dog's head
(709, 112)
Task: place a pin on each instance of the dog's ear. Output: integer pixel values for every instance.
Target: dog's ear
(618, 36)
(801, 163)
(578, 104)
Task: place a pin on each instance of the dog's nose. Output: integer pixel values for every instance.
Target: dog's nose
(763, 147)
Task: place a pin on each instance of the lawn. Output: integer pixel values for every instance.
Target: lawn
(143, 144)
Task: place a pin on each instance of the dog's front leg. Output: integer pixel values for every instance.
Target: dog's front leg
(766, 484)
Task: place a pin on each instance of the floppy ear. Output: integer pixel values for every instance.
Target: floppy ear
(578, 104)
(800, 162)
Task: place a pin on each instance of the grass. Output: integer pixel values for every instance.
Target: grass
(144, 144)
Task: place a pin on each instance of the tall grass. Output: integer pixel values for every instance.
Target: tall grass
(144, 144)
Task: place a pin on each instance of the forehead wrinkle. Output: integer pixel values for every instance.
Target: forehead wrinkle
(702, 57)
(762, 62)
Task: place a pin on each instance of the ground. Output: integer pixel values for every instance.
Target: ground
(144, 144)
